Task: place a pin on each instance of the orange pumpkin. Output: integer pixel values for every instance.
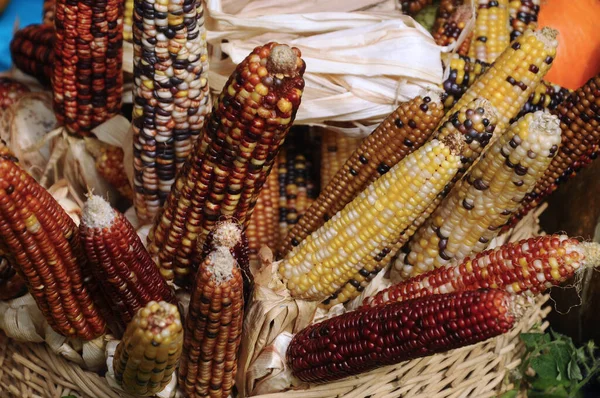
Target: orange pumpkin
(578, 54)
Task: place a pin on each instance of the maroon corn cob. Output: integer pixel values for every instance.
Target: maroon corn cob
(42, 243)
(368, 338)
(10, 92)
(580, 124)
(213, 328)
(528, 266)
(11, 284)
(229, 234)
(32, 51)
(230, 163)
(48, 12)
(120, 263)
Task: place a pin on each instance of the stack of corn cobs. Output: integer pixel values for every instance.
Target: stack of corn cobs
(421, 197)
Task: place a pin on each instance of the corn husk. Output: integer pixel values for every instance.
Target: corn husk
(25, 127)
(66, 196)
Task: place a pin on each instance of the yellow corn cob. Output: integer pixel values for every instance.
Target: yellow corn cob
(330, 256)
(509, 82)
(128, 21)
(148, 354)
(336, 149)
(475, 124)
(401, 133)
(483, 201)
(213, 328)
(263, 229)
(492, 30)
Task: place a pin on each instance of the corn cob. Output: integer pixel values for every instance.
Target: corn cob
(523, 16)
(110, 165)
(529, 266)
(10, 92)
(87, 80)
(509, 82)
(11, 284)
(32, 51)
(445, 10)
(229, 165)
(263, 228)
(449, 31)
(128, 20)
(147, 356)
(171, 95)
(213, 328)
(42, 242)
(282, 172)
(412, 7)
(330, 256)
(229, 235)
(580, 124)
(475, 125)
(480, 204)
(491, 34)
(119, 261)
(336, 149)
(463, 49)
(401, 133)
(5, 152)
(369, 338)
(48, 12)
(546, 96)
(296, 188)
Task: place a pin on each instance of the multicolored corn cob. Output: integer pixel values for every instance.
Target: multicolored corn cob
(445, 10)
(263, 228)
(213, 328)
(10, 92)
(511, 80)
(87, 79)
(41, 241)
(32, 51)
(529, 266)
(412, 7)
(401, 133)
(6, 152)
(11, 284)
(463, 71)
(449, 31)
(580, 124)
(329, 257)
(475, 125)
(229, 235)
(110, 165)
(483, 201)
(369, 338)
(336, 149)
(229, 165)
(128, 20)
(523, 16)
(48, 14)
(171, 95)
(147, 356)
(491, 34)
(120, 263)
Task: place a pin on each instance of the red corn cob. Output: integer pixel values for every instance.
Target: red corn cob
(580, 124)
(369, 338)
(32, 51)
(230, 163)
(213, 328)
(119, 261)
(48, 12)
(42, 242)
(528, 266)
(229, 234)
(110, 165)
(11, 284)
(10, 91)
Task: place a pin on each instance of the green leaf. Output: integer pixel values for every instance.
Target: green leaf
(574, 372)
(561, 353)
(510, 394)
(552, 392)
(546, 373)
(533, 340)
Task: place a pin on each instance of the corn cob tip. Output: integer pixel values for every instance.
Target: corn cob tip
(222, 264)
(454, 142)
(547, 35)
(159, 318)
(462, 14)
(227, 234)
(97, 213)
(518, 305)
(591, 254)
(544, 121)
(485, 107)
(434, 94)
(282, 59)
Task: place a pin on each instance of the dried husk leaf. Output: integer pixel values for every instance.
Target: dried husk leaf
(270, 368)
(66, 197)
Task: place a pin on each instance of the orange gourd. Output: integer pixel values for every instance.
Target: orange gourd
(578, 54)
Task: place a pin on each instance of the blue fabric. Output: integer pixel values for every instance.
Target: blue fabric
(28, 12)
